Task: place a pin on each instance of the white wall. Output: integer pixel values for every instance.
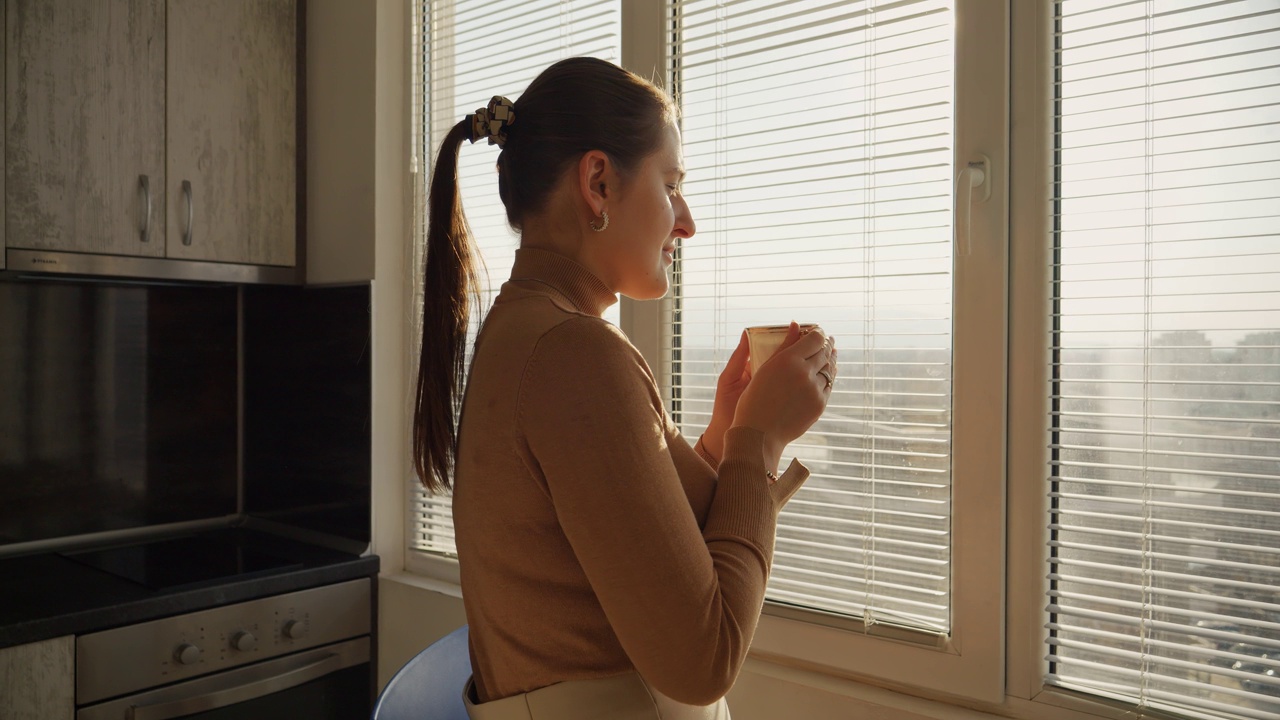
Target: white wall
(359, 216)
(359, 211)
(412, 614)
(340, 137)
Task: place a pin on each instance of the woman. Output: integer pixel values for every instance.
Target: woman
(607, 567)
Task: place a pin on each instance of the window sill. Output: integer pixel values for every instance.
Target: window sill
(434, 568)
(420, 582)
(838, 696)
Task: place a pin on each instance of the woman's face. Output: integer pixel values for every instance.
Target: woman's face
(645, 218)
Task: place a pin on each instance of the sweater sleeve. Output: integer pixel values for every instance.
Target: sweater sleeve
(701, 448)
(684, 603)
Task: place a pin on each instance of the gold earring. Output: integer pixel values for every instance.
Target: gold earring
(604, 222)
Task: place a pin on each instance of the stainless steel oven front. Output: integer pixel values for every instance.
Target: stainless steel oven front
(300, 654)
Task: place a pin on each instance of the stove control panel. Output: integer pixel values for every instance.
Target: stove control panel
(185, 646)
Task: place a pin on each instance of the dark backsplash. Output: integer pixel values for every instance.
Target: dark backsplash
(307, 392)
(119, 407)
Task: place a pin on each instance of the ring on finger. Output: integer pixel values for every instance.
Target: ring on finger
(826, 376)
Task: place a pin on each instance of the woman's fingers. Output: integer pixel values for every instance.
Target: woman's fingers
(738, 360)
(821, 355)
(808, 344)
(789, 395)
(826, 379)
(827, 373)
(793, 336)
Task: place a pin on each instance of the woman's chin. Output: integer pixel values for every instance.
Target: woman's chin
(652, 290)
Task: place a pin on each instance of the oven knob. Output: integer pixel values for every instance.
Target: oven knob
(295, 629)
(244, 641)
(187, 654)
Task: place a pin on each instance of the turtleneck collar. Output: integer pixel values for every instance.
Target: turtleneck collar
(577, 284)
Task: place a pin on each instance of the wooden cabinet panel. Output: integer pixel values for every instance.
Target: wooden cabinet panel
(84, 116)
(37, 681)
(232, 108)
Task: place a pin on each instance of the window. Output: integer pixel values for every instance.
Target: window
(1166, 375)
(821, 146)
(818, 142)
(823, 141)
(839, 126)
(473, 50)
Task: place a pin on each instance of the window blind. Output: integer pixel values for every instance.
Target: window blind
(818, 145)
(471, 51)
(1165, 550)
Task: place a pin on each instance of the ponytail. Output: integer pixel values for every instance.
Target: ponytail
(450, 287)
(576, 105)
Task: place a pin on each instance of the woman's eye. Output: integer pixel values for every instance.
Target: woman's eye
(673, 189)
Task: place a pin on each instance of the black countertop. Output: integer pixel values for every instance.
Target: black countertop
(49, 595)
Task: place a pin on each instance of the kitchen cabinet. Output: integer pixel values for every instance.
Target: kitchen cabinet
(37, 680)
(85, 116)
(232, 156)
(153, 128)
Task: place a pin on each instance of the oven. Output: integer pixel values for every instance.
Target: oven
(298, 654)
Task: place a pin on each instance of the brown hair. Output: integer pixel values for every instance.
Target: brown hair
(574, 106)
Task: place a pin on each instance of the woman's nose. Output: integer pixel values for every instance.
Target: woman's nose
(685, 227)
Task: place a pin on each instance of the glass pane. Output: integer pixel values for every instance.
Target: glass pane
(1166, 486)
(818, 143)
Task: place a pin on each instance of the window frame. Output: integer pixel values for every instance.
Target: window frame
(1030, 290)
(1031, 138)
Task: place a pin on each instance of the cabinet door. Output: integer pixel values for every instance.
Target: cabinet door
(232, 133)
(37, 681)
(84, 116)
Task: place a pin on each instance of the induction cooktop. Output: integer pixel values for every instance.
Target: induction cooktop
(184, 562)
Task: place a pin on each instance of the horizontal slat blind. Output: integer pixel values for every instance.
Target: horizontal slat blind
(476, 49)
(1166, 395)
(817, 139)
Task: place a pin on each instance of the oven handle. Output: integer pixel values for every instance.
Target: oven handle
(240, 692)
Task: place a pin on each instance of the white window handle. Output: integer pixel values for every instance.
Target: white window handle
(975, 175)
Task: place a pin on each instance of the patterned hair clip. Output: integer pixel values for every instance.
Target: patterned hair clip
(492, 122)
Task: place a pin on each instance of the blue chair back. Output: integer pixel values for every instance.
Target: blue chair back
(429, 687)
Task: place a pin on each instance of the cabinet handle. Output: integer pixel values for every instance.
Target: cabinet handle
(186, 194)
(145, 183)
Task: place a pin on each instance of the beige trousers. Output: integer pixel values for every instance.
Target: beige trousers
(622, 697)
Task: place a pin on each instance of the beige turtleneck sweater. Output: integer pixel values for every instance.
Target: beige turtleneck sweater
(592, 539)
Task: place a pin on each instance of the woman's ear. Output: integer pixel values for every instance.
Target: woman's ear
(595, 172)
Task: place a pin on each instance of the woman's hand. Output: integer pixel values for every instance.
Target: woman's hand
(790, 391)
(733, 381)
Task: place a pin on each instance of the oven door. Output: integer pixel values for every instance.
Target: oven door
(335, 681)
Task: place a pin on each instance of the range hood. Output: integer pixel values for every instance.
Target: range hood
(32, 263)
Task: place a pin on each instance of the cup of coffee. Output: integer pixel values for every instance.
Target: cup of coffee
(764, 341)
